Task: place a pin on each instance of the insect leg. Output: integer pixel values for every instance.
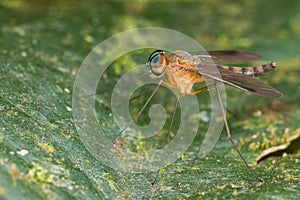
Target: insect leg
(203, 89)
(139, 113)
(229, 135)
(167, 138)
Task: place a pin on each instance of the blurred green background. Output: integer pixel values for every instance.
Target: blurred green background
(42, 44)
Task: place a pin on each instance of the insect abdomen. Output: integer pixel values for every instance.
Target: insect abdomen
(251, 71)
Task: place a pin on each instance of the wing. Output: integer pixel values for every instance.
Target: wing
(228, 56)
(240, 81)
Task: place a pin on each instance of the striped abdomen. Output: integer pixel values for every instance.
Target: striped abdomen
(251, 71)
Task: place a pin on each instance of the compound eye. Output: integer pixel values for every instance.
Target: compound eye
(157, 63)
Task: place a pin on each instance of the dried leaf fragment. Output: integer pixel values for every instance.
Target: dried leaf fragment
(291, 146)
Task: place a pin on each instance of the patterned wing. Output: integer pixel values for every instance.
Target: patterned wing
(227, 57)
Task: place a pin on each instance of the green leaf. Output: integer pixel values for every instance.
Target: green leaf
(43, 43)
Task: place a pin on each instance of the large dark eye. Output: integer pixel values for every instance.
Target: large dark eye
(157, 63)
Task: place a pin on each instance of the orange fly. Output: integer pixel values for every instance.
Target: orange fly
(183, 70)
